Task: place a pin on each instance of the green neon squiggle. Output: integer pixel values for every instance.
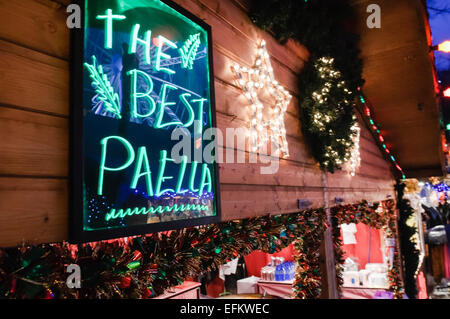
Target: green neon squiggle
(103, 87)
(189, 51)
(121, 213)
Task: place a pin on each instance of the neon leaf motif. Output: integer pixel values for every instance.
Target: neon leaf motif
(189, 51)
(105, 92)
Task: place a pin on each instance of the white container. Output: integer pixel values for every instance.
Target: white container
(378, 280)
(379, 268)
(364, 277)
(351, 278)
(247, 285)
(350, 265)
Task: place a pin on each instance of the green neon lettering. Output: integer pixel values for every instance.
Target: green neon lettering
(184, 160)
(109, 17)
(135, 39)
(200, 113)
(163, 105)
(121, 213)
(159, 54)
(103, 168)
(138, 95)
(192, 176)
(183, 98)
(161, 178)
(206, 174)
(189, 51)
(142, 158)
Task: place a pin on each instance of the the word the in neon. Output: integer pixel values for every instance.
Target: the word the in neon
(146, 42)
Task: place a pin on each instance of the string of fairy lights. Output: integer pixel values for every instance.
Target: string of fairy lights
(262, 130)
(355, 158)
(253, 81)
(377, 131)
(323, 115)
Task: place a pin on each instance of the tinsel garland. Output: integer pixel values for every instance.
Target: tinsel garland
(308, 281)
(363, 213)
(409, 251)
(338, 254)
(329, 82)
(143, 267)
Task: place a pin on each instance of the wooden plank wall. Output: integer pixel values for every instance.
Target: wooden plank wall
(34, 114)
(398, 68)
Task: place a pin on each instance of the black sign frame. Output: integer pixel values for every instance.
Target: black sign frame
(76, 163)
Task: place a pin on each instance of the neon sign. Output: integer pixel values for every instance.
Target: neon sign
(141, 70)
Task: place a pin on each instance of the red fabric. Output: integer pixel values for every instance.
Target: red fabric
(284, 291)
(258, 259)
(215, 287)
(361, 248)
(422, 285)
(447, 261)
(254, 262)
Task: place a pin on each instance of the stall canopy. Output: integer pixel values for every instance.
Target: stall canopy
(400, 83)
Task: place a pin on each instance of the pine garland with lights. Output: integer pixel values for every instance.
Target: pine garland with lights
(327, 113)
(362, 213)
(328, 84)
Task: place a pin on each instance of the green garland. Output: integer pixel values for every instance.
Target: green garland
(308, 280)
(326, 107)
(143, 267)
(409, 251)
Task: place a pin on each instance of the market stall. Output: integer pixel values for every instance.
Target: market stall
(141, 222)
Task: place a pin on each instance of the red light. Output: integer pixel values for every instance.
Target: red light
(157, 42)
(367, 111)
(381, 138)
(398, 167)
(447, 92)
(374, 127)
(387, 151)
(444, 46)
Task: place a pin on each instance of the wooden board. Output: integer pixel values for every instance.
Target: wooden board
(34, 111)
(398, 69)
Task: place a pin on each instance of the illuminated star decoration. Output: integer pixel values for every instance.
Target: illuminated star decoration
(260, 78)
